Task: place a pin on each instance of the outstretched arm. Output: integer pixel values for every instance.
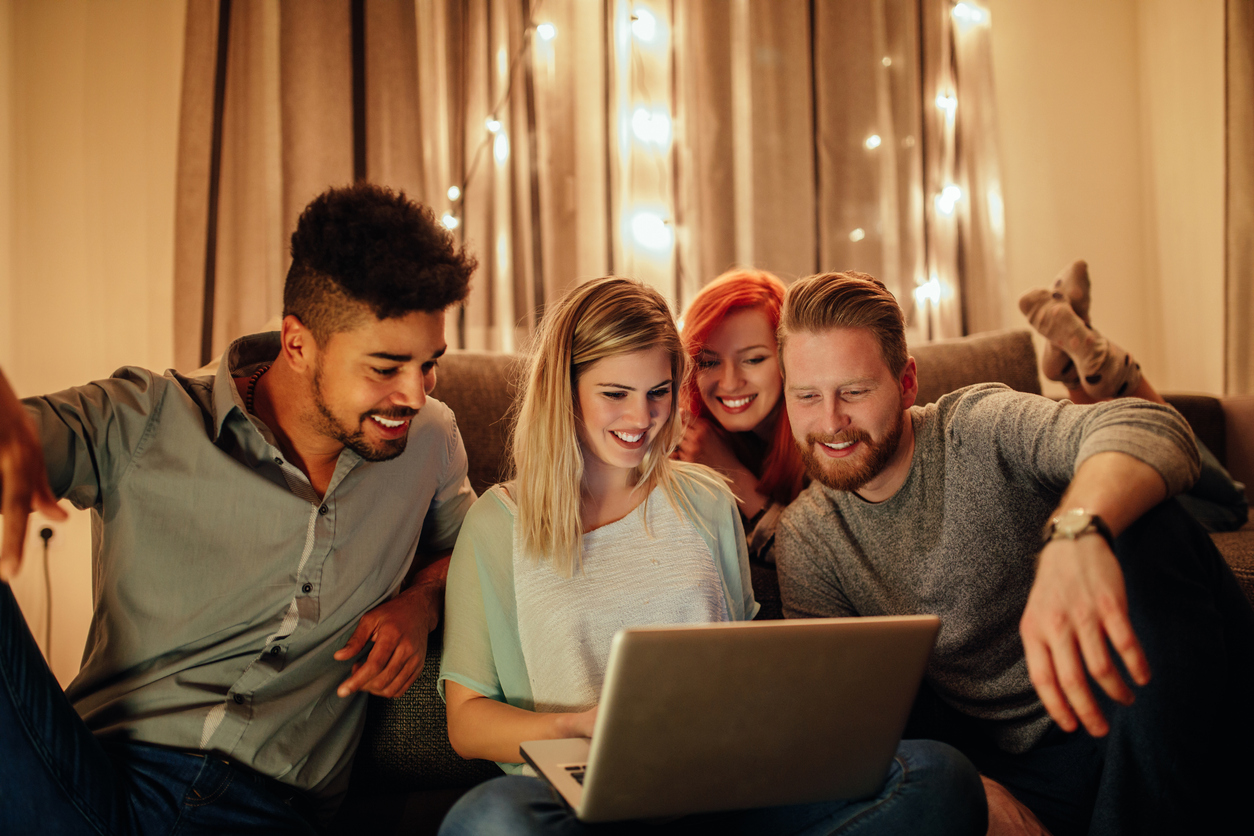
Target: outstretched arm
(399, 629)
(23, 479)
(1078, 602)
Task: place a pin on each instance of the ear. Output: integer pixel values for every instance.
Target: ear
(298, 346)
(909, 384)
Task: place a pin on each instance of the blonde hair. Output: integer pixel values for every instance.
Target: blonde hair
(601, 318)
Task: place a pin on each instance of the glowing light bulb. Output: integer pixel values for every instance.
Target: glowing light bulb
(873, 141)
(857, 235)
(928, 291)
(651, 232)
(652, 127)
(886, 61)
(947, 102)
(492, 124)
(948, 199)
(454, 193)
(500, 147)
(546, 31)
(969, 13)
(643, 24)
(450, 220)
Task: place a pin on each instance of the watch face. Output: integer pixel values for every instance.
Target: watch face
(1073, 523)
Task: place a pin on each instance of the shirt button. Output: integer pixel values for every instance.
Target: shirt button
(278, 461)
(275, 650)
(239, 699)
(323, 510)
(307, 588)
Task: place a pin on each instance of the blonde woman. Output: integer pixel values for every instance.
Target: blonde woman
(600, 529)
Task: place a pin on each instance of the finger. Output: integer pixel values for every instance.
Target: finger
(1101, 667)
(1044, 680)
(405, 679)
(357, 640)
(1123, 638)
(391, 667)
(379, 655)
(1074, 683)
(16, 509)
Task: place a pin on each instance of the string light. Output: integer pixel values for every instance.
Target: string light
(546, 31)
(873, 141)
(454, 193)
(652, 127)
(969, 13)
(500, 147)
(857, 235)
(494, 125)
(886, 61)
(651, 232)
(948, 199)
(449, 220)
(947, 102)
(928, 291)
(643, 24)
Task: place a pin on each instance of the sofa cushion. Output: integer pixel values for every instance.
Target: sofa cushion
(999, 357)
(480, 391)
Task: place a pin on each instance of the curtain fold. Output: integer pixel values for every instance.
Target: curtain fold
(664, 139)
(1239, 211)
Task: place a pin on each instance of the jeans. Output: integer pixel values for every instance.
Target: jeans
(1177, 759)
(930, 789)
(1217, 500)
(56, 777)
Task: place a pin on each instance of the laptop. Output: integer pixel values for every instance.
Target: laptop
(711, 717)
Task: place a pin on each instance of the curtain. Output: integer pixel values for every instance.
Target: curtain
(1239, 212)
(564, 139)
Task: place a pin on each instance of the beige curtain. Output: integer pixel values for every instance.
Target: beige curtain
(663, 139)
(1239, 261)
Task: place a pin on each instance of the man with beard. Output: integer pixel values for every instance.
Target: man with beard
(1043, 535)
(254, 534)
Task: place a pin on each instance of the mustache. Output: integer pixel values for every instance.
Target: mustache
(851, 434)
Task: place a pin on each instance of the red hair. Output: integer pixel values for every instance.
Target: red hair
(782, 468)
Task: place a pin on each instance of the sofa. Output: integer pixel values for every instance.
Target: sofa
(406, 774)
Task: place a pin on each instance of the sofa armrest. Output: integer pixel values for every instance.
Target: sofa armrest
(1205, 415)
(1239, 437)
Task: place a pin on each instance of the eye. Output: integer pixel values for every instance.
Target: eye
(660, 393)
(614, 395)
(853, 394)
(706, 363)
(390, 371)
(430, 366)
(753, 361)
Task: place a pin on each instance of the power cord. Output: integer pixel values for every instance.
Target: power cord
(45, 534)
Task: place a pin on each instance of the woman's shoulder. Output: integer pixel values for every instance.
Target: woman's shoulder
(496, 506)
(704, 487)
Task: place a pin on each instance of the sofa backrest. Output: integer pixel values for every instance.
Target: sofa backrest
(997, 356)
(480, 386)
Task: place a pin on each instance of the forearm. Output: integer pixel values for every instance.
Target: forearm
(424, 584)
(1117, 487)
(480, 727)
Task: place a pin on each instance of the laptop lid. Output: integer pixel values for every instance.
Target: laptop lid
(699, 718)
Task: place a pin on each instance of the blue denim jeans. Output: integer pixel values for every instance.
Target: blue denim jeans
(56, 777)
(930, 789)
(1177, 759)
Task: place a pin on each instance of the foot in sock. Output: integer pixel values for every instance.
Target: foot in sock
(1104, 369)
(1073, 283)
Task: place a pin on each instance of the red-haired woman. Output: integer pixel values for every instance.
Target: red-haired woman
(738, 424)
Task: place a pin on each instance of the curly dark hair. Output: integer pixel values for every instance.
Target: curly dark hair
(366, 245)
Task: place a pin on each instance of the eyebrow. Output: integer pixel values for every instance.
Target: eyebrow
(404, 358)
(625, 387)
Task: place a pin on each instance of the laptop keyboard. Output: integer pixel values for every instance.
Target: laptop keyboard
(577, 771)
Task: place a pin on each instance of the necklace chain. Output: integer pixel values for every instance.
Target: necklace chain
(252, 386)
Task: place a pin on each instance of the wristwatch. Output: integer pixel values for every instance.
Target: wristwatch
(1075, 523)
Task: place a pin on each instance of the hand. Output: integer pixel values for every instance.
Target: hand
(399, 630)
(23, 480)
(1076, 605)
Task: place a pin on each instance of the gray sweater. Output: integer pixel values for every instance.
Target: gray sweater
(960, 537)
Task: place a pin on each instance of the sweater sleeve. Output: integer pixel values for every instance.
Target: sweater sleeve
(1046, 441)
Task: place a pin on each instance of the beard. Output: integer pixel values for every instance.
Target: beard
(355, 439)
(852, 473)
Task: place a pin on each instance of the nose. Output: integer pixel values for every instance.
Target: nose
(412, 389)
(731, 377)
(834, 418)
(641, 411)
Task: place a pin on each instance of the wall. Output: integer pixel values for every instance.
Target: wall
(89, 96)
(1111, 116)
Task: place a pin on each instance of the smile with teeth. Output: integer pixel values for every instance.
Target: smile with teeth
(391, 423)
(630, 438)
(841, 446)
(737, 403)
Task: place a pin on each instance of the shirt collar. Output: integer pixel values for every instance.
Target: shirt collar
(240, 359)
